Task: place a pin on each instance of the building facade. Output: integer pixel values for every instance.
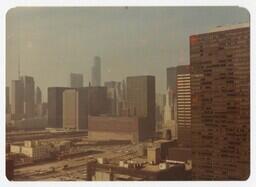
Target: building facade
(141, 100)
(183, 105)
(76, 80)
(96, 72)
(75, 108)
(17, 108)
(55, 106)
(220, 86)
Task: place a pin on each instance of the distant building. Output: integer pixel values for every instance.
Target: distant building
(38, 96)
(160, 103)
(115, 97)
(76, 80)
(98, 102)
(55, 106)
(141, 101)
(75, 108)
(220, 85)
(17, 108)
(28, 96)
(171, 78)
(96, 72)
(183, 105)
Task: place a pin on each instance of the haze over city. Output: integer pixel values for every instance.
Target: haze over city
(50, 43)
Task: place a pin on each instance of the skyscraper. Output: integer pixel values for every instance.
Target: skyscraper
(96, 72)
(28, 96)
(76, 80)
(75, 108)
(183, 105)
(220, 86)
(141, 100)
(98, 103)
(55, 106)
(38, 96)
(17, 108)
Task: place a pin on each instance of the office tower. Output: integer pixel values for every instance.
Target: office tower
(171, 78)
(96, 72)
(28, 96)
(98, 102)
(76, 80)
(141, 101)
(183, 105)
(38, 96)
(7, 98)
(114, 93)
(220, 86)
(75, 109)
(17, 108)
(55, 106)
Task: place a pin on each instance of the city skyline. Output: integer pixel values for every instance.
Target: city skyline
(139, 40)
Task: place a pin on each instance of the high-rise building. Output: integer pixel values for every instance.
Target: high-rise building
(98, 102)
(17, 108)
(76, 80)
(96, 72)
(115, 100)
(28, 96)
(160, 104)
(141, 100)
(55, 106)
(75, 108)
(38, 96)
(171, 78)
(183, 105)
(220, 88)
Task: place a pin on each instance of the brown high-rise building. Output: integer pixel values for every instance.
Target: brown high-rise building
(220, 91)
(183, 105)
(55, 107)
(141, 101)
(75, 108)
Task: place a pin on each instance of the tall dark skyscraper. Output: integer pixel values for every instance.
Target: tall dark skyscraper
(17, 108)
(76, 80)
(183, 105)
(55, 106)
(141, 100)
(220, 88)
(29, 96)
(96, 72)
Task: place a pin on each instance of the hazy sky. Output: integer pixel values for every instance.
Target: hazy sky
(53, 42)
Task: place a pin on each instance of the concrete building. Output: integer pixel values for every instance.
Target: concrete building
(76, 80)
(160, 104)
(17, 109)
(96, 72)
(55, 112)
(183, 105)
(75, 108)
(116, 128)
(98, 102)
(220, 85)
(141, 101)
(154, 155)
(28, 96)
